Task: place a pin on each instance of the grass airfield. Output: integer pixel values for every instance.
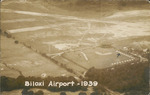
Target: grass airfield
(52, 33)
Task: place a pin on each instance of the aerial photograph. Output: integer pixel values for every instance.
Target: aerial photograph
(74, 47)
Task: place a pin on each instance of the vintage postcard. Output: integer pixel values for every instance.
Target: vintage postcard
(74, 47)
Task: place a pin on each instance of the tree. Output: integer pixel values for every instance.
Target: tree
(63, 93)
(95, 93)
(82, 93)
(30, 93)
(16, 42)
(24, 92)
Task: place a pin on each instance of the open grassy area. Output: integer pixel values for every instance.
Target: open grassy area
(19, 58)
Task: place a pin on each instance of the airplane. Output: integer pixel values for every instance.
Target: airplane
(118, 54)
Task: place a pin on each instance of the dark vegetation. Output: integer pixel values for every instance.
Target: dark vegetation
(8, 84)
(82, 93)
(16, 42)
(127, 78)
(131, 79)
(63, 93)
(26, 92)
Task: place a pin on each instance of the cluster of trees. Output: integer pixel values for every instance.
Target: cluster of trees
(40, 92)
(122, 78)
(8, 35)
(26, 92)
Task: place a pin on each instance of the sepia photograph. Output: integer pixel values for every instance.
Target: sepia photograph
(74, 47)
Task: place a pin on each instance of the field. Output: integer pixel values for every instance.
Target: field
(17, 59)
(59, 34)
